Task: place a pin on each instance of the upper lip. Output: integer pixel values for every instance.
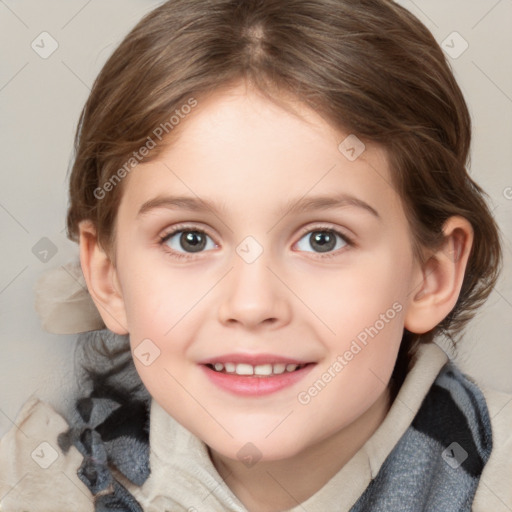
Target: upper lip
(253, 359)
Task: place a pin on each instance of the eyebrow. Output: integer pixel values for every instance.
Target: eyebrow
(293, 206)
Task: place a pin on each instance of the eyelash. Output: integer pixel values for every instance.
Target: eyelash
(187, 228)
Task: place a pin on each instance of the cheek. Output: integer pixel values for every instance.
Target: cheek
(363, 310)
(356, 372)
(157, 296)
(164, 308)
(348, 300)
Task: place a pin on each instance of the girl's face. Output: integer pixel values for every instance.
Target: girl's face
(256, 243)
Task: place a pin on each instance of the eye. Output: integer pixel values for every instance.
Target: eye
(188, 240)
(323, 240)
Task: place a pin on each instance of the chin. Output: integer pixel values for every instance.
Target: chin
(257, 449)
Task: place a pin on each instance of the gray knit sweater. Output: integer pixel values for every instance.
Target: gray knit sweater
(435, 466)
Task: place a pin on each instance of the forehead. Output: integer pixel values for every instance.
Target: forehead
(242, 151)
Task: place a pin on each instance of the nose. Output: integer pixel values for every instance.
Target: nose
(253, 296)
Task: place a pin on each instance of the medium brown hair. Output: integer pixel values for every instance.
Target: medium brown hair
(368, 67)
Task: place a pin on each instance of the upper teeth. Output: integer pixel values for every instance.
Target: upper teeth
(261, 369)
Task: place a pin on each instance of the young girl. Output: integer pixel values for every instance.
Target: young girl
(275, 225)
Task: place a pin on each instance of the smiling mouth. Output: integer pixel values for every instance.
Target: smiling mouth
(261, 370)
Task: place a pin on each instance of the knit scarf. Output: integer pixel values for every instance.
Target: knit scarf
(435, 466)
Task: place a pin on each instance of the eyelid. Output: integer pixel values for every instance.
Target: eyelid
(185, 227)
(349, 239)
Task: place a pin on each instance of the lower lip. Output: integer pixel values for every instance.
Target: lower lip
(253, 385)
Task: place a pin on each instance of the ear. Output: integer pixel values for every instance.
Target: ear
(101, 278)
(441, 278)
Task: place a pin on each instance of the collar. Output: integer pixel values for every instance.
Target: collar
(183, 475)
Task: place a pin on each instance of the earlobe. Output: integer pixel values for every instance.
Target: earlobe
(442, 276)
(101, 278)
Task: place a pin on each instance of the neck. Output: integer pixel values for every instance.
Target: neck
(273, 486)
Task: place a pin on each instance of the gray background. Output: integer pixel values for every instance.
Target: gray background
(40, 102)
